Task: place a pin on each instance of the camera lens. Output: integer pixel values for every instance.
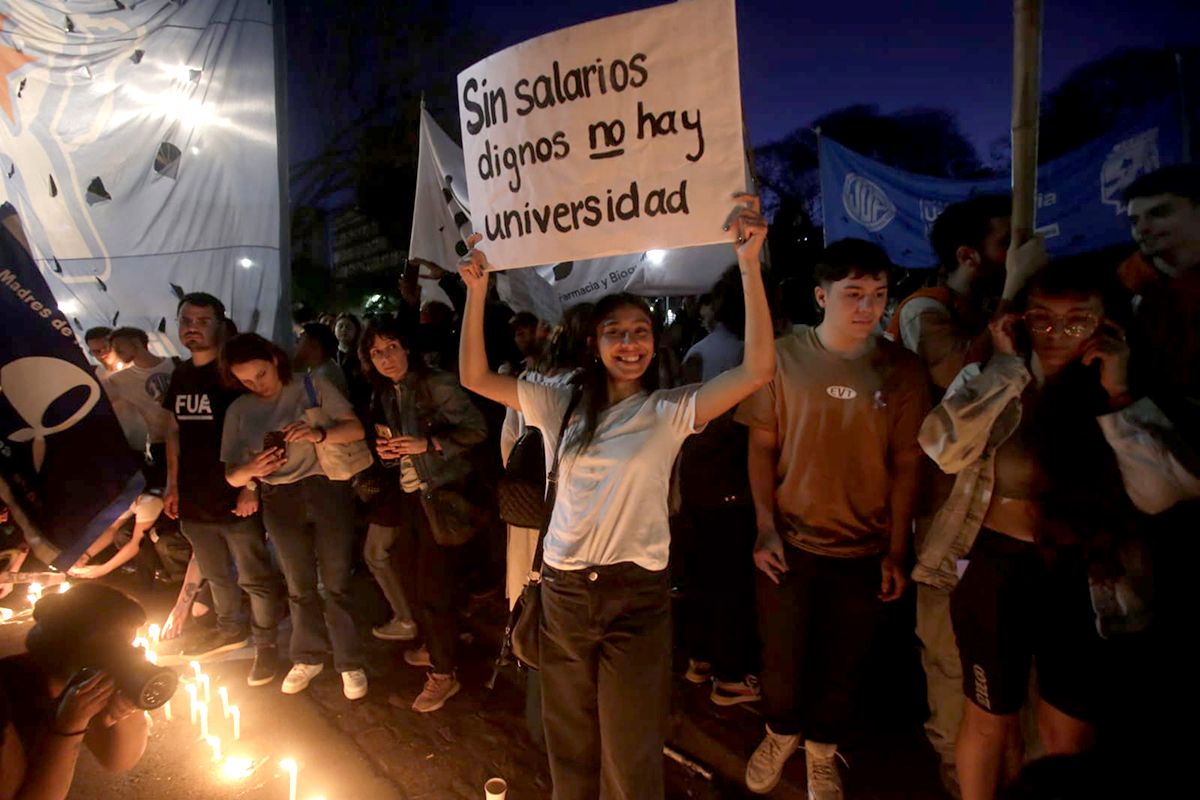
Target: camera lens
(154, 686)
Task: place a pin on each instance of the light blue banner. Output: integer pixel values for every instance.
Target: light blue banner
(1079, 195)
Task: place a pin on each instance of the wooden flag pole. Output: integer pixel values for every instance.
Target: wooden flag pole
(1027, 80)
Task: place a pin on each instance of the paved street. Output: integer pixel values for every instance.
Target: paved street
(378, 748)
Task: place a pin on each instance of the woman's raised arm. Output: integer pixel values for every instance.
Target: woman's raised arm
(748, 228)
(473, 371)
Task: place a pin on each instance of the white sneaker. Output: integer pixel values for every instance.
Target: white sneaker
(824, 782)
(299, 676)
(354, 684)
(765, 767)
(398, 630)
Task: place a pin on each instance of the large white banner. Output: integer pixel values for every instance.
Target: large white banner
(616, 136)
(138, 143)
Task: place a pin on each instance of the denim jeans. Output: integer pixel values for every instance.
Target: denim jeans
(605, 672)
(311, 523)
(818, 626)
(377, 552)
(431, 572)
(232, 555)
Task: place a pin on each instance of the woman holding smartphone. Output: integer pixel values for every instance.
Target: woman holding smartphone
(425, 426)
(308, 516)
(605, 628)
(1054, 462)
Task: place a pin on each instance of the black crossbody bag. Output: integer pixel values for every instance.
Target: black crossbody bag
(521, 632)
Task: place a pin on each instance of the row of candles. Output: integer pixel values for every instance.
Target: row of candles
(198, 685)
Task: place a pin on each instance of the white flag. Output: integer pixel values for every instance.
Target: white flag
(441, 211)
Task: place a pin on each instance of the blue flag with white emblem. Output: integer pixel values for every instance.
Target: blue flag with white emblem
(1079, 206)
(65, 470)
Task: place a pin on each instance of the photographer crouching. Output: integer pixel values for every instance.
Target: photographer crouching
(79, 683)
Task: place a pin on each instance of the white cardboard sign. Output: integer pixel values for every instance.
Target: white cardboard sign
(615, 136)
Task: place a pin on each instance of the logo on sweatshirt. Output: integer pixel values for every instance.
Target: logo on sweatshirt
(841, 392)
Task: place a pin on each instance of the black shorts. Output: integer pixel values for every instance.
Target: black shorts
(1010, 610)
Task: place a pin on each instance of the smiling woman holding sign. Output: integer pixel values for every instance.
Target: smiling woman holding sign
(605, 630)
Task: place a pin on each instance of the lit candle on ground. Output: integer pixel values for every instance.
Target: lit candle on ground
(64, 587)
(236, 714)
(34, 593)
(202, 709)
(167, 711)
(6, 613)
(205, 682)
(194, 666)
(215, 744)
(223, 693)
(237, 768)
(191, 690)
(152, 656)
(141, 643)
(155, 632)
(289, 764)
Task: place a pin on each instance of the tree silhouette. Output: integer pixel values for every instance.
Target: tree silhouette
(1112, 91)
(364, 71)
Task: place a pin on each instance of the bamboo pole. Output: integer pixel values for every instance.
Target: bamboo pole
(1027, 79)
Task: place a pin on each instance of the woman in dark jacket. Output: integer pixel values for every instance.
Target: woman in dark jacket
(424, 426)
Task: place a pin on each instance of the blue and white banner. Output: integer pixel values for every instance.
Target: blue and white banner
(65, 470)
(1079, 206)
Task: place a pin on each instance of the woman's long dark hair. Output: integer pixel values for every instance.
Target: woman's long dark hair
(594, 380)
(1082, 496)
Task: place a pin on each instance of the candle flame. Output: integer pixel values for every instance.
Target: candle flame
(237, 768)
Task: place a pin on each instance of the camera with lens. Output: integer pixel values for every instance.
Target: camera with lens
(147, 685)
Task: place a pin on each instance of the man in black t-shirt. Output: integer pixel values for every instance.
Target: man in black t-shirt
(219, 520)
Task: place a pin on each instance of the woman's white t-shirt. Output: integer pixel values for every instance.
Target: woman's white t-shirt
(612, 498)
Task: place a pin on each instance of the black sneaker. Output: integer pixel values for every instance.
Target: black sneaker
(265, 667)
(214, 642)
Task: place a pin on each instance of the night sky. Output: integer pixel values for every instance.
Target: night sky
(801, 59)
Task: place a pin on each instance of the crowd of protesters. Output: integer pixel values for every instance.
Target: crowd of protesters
(1019, 438)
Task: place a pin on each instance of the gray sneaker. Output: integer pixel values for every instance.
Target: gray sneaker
(824, 782)
(438, 689)
(765, 767)
(398, 630)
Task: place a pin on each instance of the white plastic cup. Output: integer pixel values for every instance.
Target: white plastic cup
(495, 789)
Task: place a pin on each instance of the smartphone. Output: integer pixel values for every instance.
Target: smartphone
(384, 432)
(274, 439)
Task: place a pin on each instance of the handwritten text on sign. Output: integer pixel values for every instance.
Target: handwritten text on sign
(611, 137)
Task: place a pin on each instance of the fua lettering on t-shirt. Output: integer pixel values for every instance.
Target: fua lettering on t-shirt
(193, 406)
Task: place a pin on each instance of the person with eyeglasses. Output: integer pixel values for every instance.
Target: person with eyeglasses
(1039, 541)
